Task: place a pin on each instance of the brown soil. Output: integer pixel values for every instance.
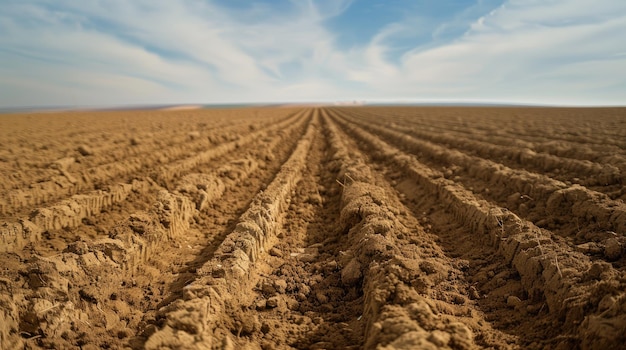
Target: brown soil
(314, 228)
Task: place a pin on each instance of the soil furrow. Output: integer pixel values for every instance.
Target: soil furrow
(68, 182)
(486, 125)
(576, 291)
(585, 173)
(204, 317)
(313, 228)
(568, 149)
(414, 296)
(80, 216)
(137, 281)
(145, 143)
(219, 197)
(295, 297)
(91, 150)
(529, 194)
(72, 212)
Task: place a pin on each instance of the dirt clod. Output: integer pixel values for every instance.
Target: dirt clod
(613, 249)
(351, 273)
(513, 301)
(85, 150)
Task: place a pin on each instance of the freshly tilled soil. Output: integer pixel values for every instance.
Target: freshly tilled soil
(314, 228)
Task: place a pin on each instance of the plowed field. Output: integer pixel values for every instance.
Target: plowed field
(314, 228)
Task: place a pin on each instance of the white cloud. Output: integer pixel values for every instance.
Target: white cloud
(160, 51)
(527, 51)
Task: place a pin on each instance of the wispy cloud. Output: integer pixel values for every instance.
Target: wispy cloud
(159, 51)
(526, 51)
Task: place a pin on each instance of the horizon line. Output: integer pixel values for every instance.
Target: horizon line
(348, 103)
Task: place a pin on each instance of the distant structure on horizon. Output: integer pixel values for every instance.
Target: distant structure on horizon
(349, 103)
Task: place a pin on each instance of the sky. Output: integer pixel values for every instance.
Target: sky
(157, 52)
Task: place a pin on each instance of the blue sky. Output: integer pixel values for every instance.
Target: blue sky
(120, 52)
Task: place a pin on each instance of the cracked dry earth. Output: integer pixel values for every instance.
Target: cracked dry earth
(314, 228)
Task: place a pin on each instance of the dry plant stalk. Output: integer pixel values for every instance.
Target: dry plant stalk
(499, 217)
(538, 241)
(558, 268)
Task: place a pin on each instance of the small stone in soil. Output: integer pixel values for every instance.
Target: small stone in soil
(272, 302)
(280, 285)
(612, 249)
(276, 252)
(513, 301)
